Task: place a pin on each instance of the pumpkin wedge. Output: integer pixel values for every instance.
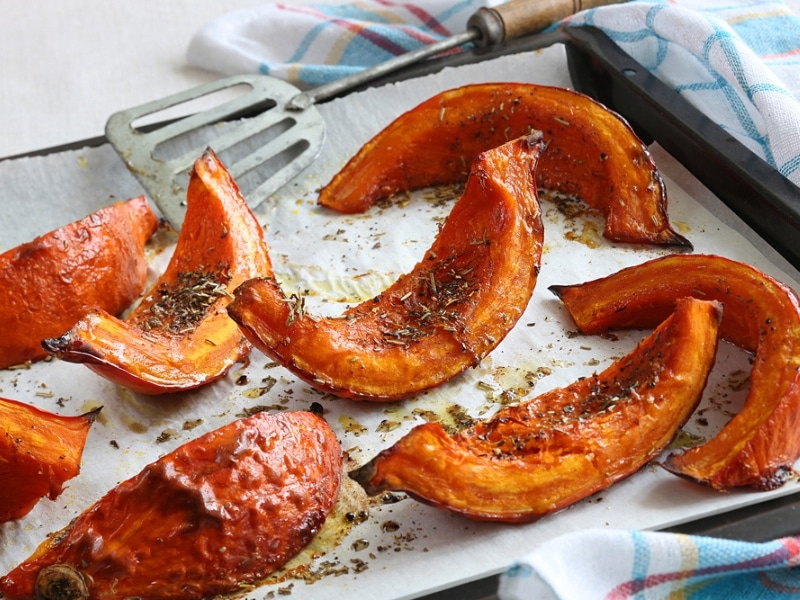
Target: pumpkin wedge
(540, 455)
(759, 445)
(49, 283)
(434, 321)
(39, 452)
(592, 153)
(180, 337)
(217, 514)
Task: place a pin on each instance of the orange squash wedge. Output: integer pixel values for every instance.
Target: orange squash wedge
(39, 452)
(434, 321)
(180, 337)
(47, 284)
(212, 517)
(759, 445)
(541, 455)
(592, 153)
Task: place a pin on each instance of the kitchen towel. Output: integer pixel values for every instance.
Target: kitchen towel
(621, 565)
(739, 62)
(311, 44)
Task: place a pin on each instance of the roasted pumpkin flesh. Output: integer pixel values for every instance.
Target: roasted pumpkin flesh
(217, 514)
(180, 337)
(543, 454)
(592, 154)
(48, 284)
(759, 445)
(434, 321)
(39, 452)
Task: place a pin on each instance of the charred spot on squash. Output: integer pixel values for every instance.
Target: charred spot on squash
(60, 582)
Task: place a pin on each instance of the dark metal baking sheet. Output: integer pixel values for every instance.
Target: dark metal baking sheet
(756, 192)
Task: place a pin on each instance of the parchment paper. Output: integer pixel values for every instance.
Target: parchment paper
(402, 549)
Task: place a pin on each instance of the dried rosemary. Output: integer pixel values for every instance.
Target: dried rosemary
(181, 307)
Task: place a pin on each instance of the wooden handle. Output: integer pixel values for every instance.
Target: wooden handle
(521, 17)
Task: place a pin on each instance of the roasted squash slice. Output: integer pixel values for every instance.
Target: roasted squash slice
(434, 321)
(758, 446)
(47, 284)
(543, 454)
(218, 513)
(39, 452)
(180, 337)
(592, 153)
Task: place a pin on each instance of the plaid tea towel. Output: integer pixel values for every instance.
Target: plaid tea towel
(738, 61)
(621, 565)
(311, 44)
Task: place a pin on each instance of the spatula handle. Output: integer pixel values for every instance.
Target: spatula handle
(519, 17)
(485, 27)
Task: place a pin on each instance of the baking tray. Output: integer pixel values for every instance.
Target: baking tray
(758, 194)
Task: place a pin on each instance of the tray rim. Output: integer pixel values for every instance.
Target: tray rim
(771, 518)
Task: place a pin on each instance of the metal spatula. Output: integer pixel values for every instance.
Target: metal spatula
(287, 135)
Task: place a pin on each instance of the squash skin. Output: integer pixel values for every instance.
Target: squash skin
(153, 351)
(39, 452)
(49, 283)
(758, 446)
(526, 462)
(433, 322)
(592, 153)
(219, 512)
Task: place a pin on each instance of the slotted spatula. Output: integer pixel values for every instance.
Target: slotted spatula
(288, 134)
